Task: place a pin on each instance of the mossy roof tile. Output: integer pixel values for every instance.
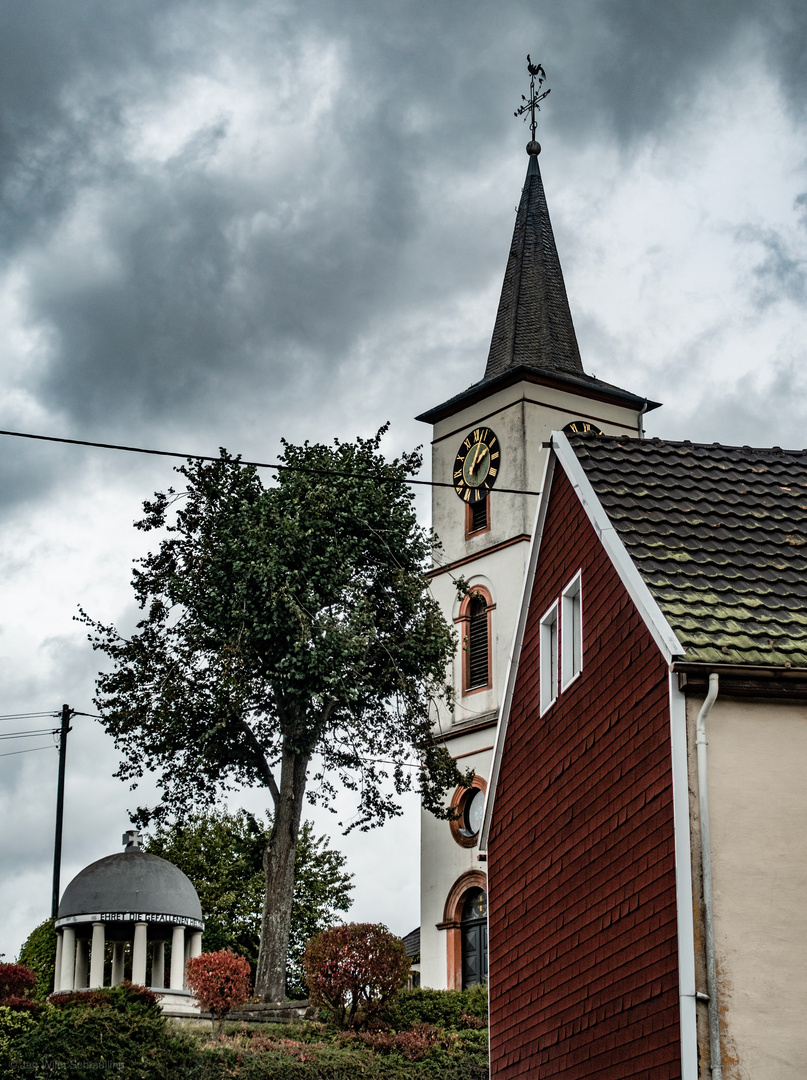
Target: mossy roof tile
(719, 534)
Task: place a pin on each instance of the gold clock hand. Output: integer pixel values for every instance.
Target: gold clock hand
(480, 457)
(476, 457)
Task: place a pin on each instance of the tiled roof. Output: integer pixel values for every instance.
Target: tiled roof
(533, 324)
(412, 944)
(719, 534)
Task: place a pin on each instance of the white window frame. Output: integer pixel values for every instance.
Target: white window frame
(549, 647)
(571, 631)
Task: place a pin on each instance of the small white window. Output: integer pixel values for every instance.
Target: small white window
(571, 631)
(549, 657)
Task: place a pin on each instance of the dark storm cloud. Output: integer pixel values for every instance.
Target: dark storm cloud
(223, 282)
(782, 271)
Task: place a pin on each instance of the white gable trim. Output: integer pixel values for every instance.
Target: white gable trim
(630, 577)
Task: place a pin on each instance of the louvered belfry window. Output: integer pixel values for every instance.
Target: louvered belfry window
(478, 674)
(479, 516)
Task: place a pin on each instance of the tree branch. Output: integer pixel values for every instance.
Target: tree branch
(262, 763)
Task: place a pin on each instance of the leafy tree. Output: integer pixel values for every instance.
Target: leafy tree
(222, 854)
(39, 954)
(220, 983)
(355, 971)
(283, 626)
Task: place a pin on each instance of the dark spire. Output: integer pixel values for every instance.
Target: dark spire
(534, 326)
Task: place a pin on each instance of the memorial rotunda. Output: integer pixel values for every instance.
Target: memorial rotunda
(129, 898)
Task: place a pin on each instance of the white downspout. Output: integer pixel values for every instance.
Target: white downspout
(706, 863)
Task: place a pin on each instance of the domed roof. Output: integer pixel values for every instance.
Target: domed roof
(131, 881)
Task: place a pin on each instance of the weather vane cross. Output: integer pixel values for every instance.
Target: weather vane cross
(533, 102)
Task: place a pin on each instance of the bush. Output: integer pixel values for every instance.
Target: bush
(126, 997)
(17, 984)
(355, 971)
(220, 982)
(13, 1027)
(452, 1009)
(76, 1043)
(39, 954)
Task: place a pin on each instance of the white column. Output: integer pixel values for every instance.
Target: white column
(57, 967)
(196, 944)
(97, 955)
(118, 948)
(158, 965)
(68, 958)
(80, 970)
(178, 958)
(139, 954)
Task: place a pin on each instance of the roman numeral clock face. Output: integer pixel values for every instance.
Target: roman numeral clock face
(476, 465)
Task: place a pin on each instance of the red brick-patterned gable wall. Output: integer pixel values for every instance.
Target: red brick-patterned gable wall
(581, 875)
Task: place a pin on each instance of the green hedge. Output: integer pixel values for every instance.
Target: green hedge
(443, 1008)
(121, 1033)
(78, 1042)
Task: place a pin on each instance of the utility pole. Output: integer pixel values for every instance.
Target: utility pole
(57, 846)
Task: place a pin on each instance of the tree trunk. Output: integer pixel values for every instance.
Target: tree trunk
(278, 868)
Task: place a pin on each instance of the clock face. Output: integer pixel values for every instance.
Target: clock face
(476, 465)
(582, 427)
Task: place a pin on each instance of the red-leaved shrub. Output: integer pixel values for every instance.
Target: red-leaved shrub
(354, 971)
(220, 982)
(17, 984)
(413, 1045)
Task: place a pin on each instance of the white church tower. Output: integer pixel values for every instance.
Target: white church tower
(488, 443)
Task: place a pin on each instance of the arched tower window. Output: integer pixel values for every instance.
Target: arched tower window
(465, 925)
(474, 930)
(475, 616)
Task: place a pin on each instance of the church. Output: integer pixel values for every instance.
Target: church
(489, 442)
(628, 870)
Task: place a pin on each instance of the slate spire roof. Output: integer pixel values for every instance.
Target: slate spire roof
(533, 336)
(719, 534)
(533, 325)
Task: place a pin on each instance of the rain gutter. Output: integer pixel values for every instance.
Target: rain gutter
(706, 864)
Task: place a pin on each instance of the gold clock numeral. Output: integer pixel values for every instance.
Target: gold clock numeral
(474, 474)
(582, 427)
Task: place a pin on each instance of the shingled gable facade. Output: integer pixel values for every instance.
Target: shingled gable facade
(671, 564)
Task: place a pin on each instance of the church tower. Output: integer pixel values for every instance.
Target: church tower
(488, 444)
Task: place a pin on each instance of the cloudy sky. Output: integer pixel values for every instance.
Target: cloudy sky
(225, 223)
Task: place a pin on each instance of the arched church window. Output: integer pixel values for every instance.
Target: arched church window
(478, 659)
(475, 617)
(474, 931)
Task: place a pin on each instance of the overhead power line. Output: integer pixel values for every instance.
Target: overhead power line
(28, 734)
(30, 750)
(27, 715)
(255, 464)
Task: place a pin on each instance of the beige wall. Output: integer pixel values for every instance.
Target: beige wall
(757, 767)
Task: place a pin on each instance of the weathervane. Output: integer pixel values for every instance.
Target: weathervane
(533, 102)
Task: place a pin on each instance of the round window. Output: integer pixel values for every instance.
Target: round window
(469, 806)
(473, 809)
